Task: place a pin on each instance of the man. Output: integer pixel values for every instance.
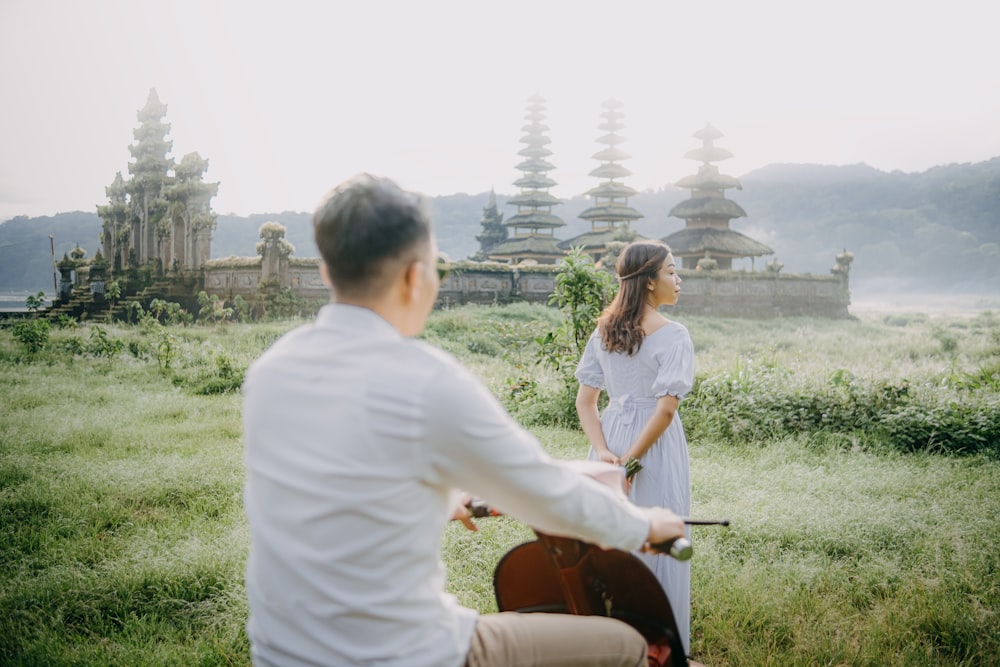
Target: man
(357, 439)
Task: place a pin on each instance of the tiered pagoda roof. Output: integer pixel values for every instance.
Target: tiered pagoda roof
(610, 215)
(708, 212)
(493, 232)
(533, 225)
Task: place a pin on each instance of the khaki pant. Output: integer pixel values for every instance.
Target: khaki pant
(511, 639)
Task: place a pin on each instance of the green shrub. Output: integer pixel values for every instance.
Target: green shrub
(101, 344)
(72, 346)
(753, 404)
(275, 302)
(212, 308)
(169, 312)
(138, 349)
(64, 321)
(224, 378)
(33, 334)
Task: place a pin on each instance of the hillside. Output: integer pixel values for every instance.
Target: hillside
(936, 229)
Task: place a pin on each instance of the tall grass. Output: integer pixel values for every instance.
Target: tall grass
(123, 541)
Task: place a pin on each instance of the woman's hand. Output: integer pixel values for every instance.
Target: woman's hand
(608, 457)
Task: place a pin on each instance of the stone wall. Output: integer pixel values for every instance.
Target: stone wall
(719, 293)
(244, 276)
(495, 284)
(227, 282)
(763, 295)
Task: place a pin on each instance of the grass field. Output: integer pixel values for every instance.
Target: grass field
(122, 538)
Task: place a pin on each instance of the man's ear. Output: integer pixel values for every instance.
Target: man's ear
(410, 281)
(324, 274)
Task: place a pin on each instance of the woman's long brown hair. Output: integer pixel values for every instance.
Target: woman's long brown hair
(621, 322)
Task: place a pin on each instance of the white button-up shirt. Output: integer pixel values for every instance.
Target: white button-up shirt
(356, 439)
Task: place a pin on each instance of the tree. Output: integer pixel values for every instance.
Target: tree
(582, 292)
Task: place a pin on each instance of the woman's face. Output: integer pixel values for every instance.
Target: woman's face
(665, 289)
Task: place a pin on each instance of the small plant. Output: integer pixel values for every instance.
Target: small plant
(275, 302)
(72, 346)
(134, 311)
(241, 309)
(138, 349)
(34, 302)
(113, 291)
(64, 321)
(225, 378)
(212, 308)
(521, 389)
(224, 366)
(169, 312)
(33, 334)
(166, 350)
(157, 308)
(101, 344)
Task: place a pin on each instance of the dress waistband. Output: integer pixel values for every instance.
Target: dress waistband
(626, 405)
(626, 399)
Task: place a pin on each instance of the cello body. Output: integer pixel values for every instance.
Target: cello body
(567, 576)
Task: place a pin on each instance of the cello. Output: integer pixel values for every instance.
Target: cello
(564, 575)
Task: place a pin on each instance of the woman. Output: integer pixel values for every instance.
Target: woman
(646, 363)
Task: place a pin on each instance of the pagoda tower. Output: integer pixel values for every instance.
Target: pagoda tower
(149, 173)
(610, 216)
(494, 231)
(533, 226)
(707, 212)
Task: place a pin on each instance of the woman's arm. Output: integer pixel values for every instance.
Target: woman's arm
(666, 406)
(590, 422)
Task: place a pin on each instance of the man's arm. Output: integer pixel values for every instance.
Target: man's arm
(475, 445)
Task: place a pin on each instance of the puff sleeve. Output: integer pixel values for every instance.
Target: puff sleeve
(675, 374)
(589, 371)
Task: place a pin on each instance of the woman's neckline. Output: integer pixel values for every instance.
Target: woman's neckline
(664, 325)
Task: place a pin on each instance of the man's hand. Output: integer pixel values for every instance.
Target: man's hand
(664, 526)
(462, 512)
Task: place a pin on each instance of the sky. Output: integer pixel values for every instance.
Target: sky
(286, 99)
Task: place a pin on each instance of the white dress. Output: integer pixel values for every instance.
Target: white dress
(664, 364)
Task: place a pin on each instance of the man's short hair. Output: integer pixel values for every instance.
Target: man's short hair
(362, 226)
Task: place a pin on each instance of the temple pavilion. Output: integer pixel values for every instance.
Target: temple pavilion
(533, 226)
(707, 212)
(158, 217)
(610, 216)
